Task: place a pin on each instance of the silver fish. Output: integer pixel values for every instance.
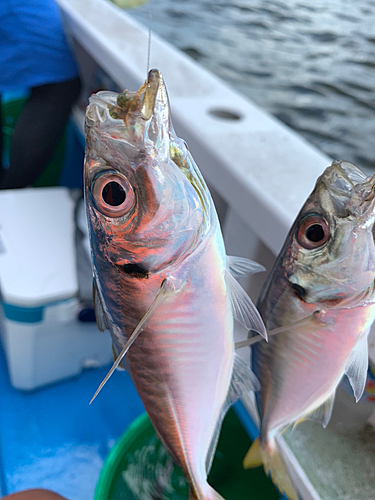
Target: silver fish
(163, 284)
(320, 295)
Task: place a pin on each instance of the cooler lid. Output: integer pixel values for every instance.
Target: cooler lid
(37, 246)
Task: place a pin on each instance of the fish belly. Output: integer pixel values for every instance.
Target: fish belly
(182, 367)
(300, 370)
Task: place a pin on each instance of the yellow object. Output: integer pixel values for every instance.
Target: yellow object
(254, 456)
(269, 454)
(128, 4)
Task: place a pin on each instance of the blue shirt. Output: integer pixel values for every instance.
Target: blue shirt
(33, 46)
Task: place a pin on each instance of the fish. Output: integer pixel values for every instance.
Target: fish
(163, 284)
(318, 304)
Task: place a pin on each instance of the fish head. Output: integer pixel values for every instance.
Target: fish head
(329, 255)
(147, 203)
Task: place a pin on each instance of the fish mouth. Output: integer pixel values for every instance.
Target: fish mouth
(107, 107)
(352, 192)
(141, 104)
(137, 118)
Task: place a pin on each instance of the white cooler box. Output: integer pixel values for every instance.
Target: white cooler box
(42, 336)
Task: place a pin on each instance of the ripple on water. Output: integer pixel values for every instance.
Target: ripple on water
(193, 52)
(178, 14)
(257, 74)
(369, 64)
(305, 90)
(347, 17)
(324, 37)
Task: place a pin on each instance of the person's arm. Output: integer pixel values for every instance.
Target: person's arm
(34, 495)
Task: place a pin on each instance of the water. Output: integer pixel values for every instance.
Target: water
(311, 63)
(150, 474)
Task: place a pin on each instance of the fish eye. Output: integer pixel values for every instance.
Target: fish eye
(313, 232)
(113, 194)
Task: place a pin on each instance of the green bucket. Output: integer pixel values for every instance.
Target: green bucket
(139, 468)
(10, 111)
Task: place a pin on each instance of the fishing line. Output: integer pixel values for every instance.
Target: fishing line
(149, 36)
(288, 328)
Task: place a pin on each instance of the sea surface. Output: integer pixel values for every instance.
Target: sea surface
(311, 63)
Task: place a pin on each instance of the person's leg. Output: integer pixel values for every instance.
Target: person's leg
(38, 130)
(34, 495)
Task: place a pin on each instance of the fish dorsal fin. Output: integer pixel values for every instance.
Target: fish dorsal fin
(243, 381)
(323, 413)
(101, 318)
(356, 367)
(164, 291)
(240, 266)
(243, 308)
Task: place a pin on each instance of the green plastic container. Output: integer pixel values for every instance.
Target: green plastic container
(10, 112)
(138, 468)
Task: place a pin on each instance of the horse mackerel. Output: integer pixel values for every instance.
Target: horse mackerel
(321, 290)
(163, 284)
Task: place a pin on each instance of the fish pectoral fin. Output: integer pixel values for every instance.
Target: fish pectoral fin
(159, 299)
(253, 457)
(356, 367)
(310, 323)
(100, 316)
(323, 413)
(243, 381)
(243, 308)
(240, 266)
(115, 355)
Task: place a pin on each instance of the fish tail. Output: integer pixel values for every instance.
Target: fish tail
(269, 455)
(208, 494)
